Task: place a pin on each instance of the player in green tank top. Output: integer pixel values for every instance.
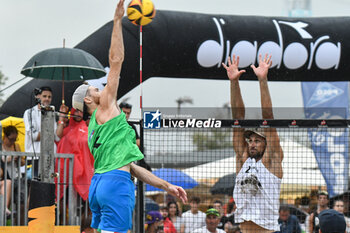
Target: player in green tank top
(112, 143)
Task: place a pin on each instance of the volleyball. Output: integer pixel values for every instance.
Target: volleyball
(141, 12)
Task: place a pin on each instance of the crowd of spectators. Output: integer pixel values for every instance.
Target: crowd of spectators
(219, 217)
(175, 220)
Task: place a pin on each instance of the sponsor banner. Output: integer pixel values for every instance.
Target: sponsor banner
(165, 118)
(153, 120)
(324, 100)
(302, 49)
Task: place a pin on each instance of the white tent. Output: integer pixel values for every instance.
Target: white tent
(299, 167)
(214, 169)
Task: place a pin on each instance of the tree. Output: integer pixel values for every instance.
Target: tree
(3, 80)
(183, 100)
(215, 138)
(212, 139)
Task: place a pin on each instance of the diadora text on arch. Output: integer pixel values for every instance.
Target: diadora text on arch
(318, 51)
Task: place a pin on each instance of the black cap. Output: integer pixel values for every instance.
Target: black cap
(332, 221)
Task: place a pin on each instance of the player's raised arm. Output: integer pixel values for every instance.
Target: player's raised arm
(274, 155)
(261, 72)
(237, 108)
(233, 74)
(116, 58)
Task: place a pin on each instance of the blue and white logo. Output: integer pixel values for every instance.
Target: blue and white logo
(152, 120)
(324, 92)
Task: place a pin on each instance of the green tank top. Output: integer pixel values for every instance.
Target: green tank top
(113, 144)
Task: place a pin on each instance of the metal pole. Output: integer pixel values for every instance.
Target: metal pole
(140, 192)
(72, 197)
(25, 193)
(2, 210)
(1, 137)
(2, 199)
(58, 192)
(64, 206)
(47, 138)
(140, 213)
(42, 193)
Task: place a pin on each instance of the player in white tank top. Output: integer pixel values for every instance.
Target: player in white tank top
(258, 157)
(256, 195)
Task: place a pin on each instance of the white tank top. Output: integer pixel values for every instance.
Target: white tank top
(256, 194)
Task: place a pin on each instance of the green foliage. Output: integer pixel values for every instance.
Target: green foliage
(212, 139)
(3, 80)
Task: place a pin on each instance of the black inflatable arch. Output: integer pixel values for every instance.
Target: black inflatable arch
(192, 45)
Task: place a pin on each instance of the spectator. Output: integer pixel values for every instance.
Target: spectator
(289, 223)
(32, 122)
(322, 204)
(212, 220)
(174, 215)
(75, 118)
(231, 207)
(75, 142)
(223, 219)
(339, 206)
(127, 110)
(168, 225)
(154, 221)
(230, 228)
(85, 224)
(9, 144)
(5, 184)
(305, 204)
(331, 221)
(194, 218)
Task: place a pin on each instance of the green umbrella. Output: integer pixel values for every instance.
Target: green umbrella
(64, 64)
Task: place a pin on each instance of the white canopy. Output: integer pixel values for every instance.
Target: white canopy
(299, 167)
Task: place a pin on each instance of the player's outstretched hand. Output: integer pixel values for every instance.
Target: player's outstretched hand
(263, 68)
(177, 191)
(232, 69)
(119, 12)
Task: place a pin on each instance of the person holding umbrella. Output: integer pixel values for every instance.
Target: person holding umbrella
(112, 143)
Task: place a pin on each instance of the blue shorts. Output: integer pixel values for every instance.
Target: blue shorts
(112, 201)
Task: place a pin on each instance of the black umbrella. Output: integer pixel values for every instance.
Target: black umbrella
(224, 185)
(64, 64)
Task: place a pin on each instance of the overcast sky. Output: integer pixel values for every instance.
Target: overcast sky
(30, 26)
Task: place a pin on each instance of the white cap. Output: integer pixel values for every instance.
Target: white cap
(78, 97)
(259, 131)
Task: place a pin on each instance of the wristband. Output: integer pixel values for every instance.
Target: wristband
(60, 122)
